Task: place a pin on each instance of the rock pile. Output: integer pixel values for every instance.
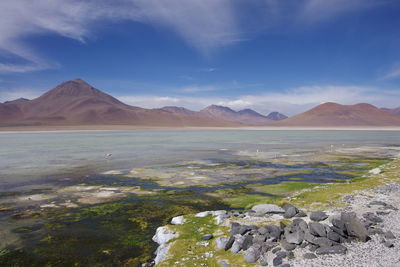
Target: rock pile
(275, 244)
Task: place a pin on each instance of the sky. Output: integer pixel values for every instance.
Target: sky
(268, 55)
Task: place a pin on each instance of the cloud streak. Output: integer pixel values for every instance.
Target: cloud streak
(205, 25)
(393, 73)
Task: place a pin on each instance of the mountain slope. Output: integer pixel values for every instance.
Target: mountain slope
(276, 116)
(78, 103)
(332, 115)
(245, 117)
(393, 110)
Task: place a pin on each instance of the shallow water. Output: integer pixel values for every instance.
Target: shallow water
(32, 156)
(57, 169)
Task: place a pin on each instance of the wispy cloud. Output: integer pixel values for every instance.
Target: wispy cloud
(205, 25)
(393, 73)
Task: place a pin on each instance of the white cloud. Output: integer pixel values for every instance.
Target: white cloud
(204, 24)
(393, 73)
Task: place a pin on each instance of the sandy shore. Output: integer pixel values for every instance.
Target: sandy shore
(136, 127)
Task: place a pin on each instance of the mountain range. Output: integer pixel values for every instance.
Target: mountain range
(76, 102)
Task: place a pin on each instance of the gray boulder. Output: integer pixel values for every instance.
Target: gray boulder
(230, 242)
(207, 237)
(332, 235)
(317, 229)
(370, 216)
(287, 246)
(354, 226)
(318, 216)
(277, 261)
(338, 249)
(290, 211)
(294, 235)
(389, 235)
(221, 242)
(323, 242)
(253, 253)
(247, 242)
(263, 209)
(237, 245)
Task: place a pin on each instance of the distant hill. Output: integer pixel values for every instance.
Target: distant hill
(19, 100)
(178, 110)
(245, 116)
(393, 110)
(336, 115)
(78, 103)
(276, 116)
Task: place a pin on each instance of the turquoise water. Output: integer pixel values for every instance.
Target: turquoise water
(33, 156)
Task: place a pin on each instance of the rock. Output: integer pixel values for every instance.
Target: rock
(253, 254)
(247, 242)
(312, 247)
(230, 242)
(224, 264)
(235, 227)
(338, 249)
(309, 237)
(277, 261)
(281, 254)
(332, 235)
(221, 242)
(178, 220)
(375, 171)
(287, 246)
(203, 214)
(237, 245)
(290, 255)
(303, 245)
(275, 250)
(282, 225)
(318, 216)
(372, 217)
(301, 213)
(263, 260)
(339, 231)
(263, 209)
(244, 229)
(273, 231)
(284, 265)
(259, 239)
(262, 230)
(161, 253)
(290, 211)
(163, 235)
(207, 237)
(389, 235)
(309, 256)
(323, 242)
(317, 229)
(354, 226)
(389, 244)
(294, 235)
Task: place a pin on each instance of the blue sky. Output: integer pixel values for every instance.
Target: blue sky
(267, 55)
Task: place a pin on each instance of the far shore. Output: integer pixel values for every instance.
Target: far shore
(143, 127)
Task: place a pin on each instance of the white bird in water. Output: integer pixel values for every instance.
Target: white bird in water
(108, 155)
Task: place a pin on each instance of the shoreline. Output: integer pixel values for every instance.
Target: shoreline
(107, 128)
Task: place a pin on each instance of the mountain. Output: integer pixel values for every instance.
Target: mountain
(19, 100)
(245, 117)
(393, 110)
(276, 116)
(336, 115)
(178, 110)
(78, 103)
